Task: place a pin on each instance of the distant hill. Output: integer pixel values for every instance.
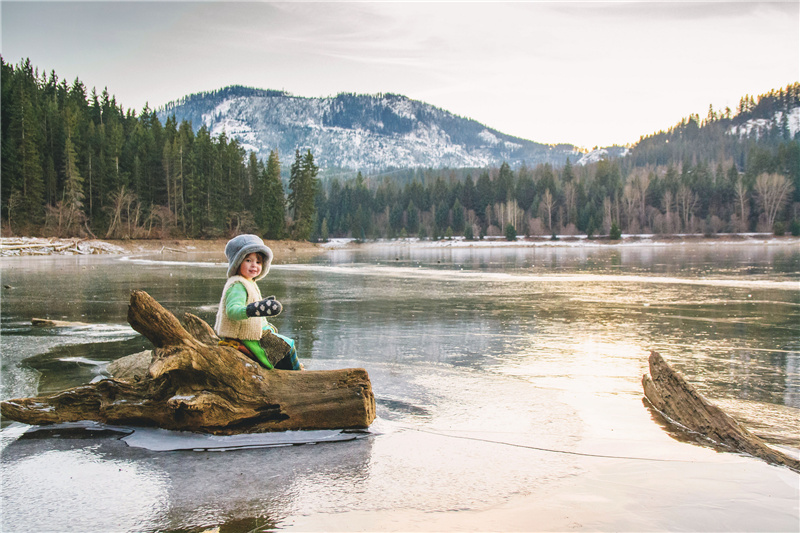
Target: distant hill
(358, 132)
(765, 122)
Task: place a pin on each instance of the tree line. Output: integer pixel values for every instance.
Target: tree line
(700, 176)
(79, 164)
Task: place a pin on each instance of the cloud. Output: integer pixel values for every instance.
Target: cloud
(582, 72)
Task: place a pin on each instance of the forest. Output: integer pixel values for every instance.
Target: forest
(76, 163)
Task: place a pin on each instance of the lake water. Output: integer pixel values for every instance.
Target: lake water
(507, 382)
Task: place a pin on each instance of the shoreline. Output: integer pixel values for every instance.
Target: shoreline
(573, 241)
(44, 246)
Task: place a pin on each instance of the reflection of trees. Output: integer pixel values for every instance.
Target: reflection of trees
(299, 294)
(731, 346)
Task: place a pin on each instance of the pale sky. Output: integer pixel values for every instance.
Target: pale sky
(584, 73)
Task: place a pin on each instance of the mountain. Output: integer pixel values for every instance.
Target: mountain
(358, 132)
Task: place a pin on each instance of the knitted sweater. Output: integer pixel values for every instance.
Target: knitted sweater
(247, 329)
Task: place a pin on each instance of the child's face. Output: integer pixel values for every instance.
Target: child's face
(251, 266)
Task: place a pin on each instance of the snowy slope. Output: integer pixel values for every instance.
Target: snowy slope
(598, 154)
(364, 132)
(756, 128)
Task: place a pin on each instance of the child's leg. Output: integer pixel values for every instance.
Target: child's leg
(258, 352)
(290, 362)
(275, 346)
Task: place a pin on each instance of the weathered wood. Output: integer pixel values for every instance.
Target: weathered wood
(132, 367)
(669, 392)
(48, 323)
(200, 329)
(146, 316)
(194, 386)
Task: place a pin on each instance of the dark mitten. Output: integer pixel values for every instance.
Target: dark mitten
(275, 347)
(269, 306)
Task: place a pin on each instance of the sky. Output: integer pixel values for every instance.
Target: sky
(583, 73)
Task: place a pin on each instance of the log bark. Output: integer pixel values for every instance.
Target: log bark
(200, 329)
(669, 393)
(194, 386)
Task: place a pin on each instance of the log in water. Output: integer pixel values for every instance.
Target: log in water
(668, 392)
(194, 386)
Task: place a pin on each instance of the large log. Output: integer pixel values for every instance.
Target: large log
(669, 392)
(194, 386)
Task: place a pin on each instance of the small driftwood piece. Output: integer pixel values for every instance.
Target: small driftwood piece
(194, 386)
(668, 392)
(47, 323)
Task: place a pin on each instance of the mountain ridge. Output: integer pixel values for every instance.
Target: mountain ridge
(357, 132)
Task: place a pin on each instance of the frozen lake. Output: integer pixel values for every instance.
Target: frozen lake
(507, 383)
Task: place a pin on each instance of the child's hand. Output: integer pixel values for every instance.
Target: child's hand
(269, 306)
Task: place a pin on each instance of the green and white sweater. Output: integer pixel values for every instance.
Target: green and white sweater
(233, 322)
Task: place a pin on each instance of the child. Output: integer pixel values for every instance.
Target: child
(241, 321)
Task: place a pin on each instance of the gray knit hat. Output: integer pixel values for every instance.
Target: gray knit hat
(241, 245)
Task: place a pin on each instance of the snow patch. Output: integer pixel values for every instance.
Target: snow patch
(402, 107)
(489, 137)
(165, 440)
(598, 154)
(757, 127)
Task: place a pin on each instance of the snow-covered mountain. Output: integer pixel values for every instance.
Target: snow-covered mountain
(359, 132)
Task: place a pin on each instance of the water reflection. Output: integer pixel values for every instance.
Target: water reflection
(97, 483)
(46, 489)
(536, 352)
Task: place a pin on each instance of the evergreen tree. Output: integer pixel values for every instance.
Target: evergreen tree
(458, 218)
(412, 218)
(303, 185)
(69, 215)
(273, 222)
(504, 186)
(29, 163)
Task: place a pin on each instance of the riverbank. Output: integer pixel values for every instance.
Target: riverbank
(286, 249)
(573, 241)
(27, 246)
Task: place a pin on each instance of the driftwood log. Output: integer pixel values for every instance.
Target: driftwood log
(48, 323)
(669, 393)
(193, 384)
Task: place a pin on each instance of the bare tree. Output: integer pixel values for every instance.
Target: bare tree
(547, 206)
(120, 208)
(687, 202)
(642, 183)
(14, 202)
(607, 221)
(741, 202)
(773, 190)
(667, 200)
(569, 199)
(630, 198)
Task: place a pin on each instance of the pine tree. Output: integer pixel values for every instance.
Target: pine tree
(69, 212)
(274, 207)
(412, 218)
(30, 166)
(458, 217)
(303, 183)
